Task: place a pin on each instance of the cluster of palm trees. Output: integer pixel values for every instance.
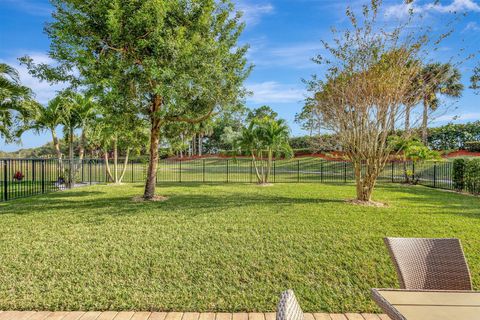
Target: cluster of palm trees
(433, 80)
(263, 139)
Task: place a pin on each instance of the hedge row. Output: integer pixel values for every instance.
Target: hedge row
(466, 175)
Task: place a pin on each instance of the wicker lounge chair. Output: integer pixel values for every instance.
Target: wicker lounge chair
(429, 264)
(288, 307)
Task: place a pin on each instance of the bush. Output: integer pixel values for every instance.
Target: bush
(458, 174)
(472, 176)
(472, 146)
(18, 176)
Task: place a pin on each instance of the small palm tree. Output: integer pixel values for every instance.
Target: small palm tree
(16, 103)
(49, 118)
(265, 138)
(438, 79)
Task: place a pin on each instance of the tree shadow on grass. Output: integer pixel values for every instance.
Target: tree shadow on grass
(96, 202)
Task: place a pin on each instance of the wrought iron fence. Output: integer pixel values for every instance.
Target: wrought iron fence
(27, 177)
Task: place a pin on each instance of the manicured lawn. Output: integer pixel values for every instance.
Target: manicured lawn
(217, 247)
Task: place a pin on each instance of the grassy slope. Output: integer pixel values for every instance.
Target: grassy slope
(216, 247)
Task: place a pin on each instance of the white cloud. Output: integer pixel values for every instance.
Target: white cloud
(274, 92)
(403, 10)
(43, 90)
(455, 6)
(473, 116)
(472, 26)
(253, 12)
(297, 55)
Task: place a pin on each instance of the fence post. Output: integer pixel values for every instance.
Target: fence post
(90, 171)
(345, 172)
(321, 170)
(435, 175)
(298, 170)
(203, 170)
(274, 172)
(251, 170)
(43, 176)
(413, 171)
(5, 180)
(133, 168)
(228, 173)
(33, 170)
(180, 172)
(393, 178)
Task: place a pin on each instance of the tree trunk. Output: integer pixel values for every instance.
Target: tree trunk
(392, 121)
(115, 160)
(71, 180)
(269, 165)
(254, 160)
(425, 123)
(150, 184)
(200, 138)
(407, 120)
(56, 145)
(125, 163)
(107, 166)
(81, 151)
(365, 183)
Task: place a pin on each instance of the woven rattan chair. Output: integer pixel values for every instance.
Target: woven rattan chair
(288, 307)
(429, 264)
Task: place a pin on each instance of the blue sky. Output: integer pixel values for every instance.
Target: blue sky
(283, 34)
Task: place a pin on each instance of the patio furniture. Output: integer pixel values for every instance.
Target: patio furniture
(430, 264)
(288, 307)
(428, 304)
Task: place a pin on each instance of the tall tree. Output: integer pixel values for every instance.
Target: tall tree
(368, 80)
(438, 79)
(17, 106)
(181, 59)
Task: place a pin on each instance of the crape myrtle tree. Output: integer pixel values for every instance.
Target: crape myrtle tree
(370, 71)
(181, 58)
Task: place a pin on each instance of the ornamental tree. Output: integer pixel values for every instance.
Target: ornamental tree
(179, 60)
(370, 71)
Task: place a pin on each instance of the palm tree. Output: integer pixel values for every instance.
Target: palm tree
(76, 110)
(265, 137)
(438, 79)
(49, 118)
(16, 103)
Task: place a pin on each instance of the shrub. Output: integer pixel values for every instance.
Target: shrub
(472, 146)
(18, 176)
(458, 174)
(472, 176)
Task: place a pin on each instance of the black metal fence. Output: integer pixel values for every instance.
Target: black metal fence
(26, 177)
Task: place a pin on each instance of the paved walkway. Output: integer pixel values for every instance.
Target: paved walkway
(112, 315)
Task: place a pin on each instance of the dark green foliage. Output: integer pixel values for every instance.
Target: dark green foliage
(315, 144)
(472, 146)
(458, 174)
(453, 136)
(472, 176)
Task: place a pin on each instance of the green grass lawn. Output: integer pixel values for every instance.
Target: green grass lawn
(217, 247)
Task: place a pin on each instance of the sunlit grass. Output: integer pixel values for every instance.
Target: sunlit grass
(217, 247)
